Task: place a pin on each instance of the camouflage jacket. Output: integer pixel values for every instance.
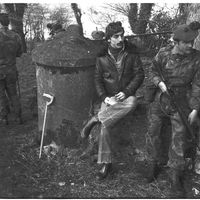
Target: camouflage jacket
(181, 72)
(10, 48)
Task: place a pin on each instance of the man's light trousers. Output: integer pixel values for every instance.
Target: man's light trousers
(109, 116)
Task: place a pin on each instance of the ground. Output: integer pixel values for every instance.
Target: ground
(65, 175)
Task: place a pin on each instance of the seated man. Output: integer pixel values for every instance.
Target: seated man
(118, 75)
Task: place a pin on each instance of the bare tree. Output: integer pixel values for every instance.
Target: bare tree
(34, 21)
(183, 12)
(78, 14)
(138, 14)
(16, 13)
(132, 16)
(61, 14)
(102, 18)
(139, 17)
(122, 8)
(1, 7)
(144, 17)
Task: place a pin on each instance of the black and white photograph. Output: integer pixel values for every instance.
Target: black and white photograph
(99, 100)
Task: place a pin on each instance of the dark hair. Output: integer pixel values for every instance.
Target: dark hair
(4, 20)
(113, 28)
(49, 25)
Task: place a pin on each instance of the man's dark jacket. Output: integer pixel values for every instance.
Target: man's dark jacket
(109, 81)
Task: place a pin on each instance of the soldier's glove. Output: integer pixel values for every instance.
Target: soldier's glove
(162, 86)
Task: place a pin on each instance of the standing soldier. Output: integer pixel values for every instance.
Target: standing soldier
(11, 47)
(118, 75)
(180, 66)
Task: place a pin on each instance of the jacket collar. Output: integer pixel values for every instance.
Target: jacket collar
(128, 47)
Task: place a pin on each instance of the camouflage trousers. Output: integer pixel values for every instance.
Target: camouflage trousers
(109, 116)
(8, 94)
(175, 144)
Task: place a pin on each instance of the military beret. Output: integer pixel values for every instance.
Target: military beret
(186, 32)
(113, 28)
(4, 19)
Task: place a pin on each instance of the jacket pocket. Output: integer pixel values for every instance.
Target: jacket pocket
(106, 75)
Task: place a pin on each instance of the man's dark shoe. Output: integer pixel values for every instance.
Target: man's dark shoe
(105, 170)
(154, 172)
(85, 132)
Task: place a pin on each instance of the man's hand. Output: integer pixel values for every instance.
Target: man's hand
(120, 96)
(162, 86)
(192, 116)
(107, 100)
(110, 101)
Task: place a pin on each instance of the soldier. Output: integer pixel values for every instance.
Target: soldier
(11, 47)
(180, 66)
(118, 75)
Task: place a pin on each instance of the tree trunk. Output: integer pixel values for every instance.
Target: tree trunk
(77, 13)
(144, 16)
(16, 13)
(132, 16)
(138, 22)
(183, 12)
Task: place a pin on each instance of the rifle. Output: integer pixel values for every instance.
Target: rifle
(190, 133)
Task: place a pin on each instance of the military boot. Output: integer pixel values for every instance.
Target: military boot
(88, 126)
(154, 172)
(177, 183)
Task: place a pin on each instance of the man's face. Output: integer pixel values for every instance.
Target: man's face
(185, 47)
(117, 40)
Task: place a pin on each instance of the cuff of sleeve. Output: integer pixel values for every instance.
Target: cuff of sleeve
(127, 93)
(102, 97)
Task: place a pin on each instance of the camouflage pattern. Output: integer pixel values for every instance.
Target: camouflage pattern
(182, 74)
(11, 47)
(158, 137)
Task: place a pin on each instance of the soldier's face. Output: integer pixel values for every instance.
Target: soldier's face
(117, 40)
(185, 47)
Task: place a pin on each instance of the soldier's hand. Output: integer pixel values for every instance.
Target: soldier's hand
(192, 116)
(162, 86)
